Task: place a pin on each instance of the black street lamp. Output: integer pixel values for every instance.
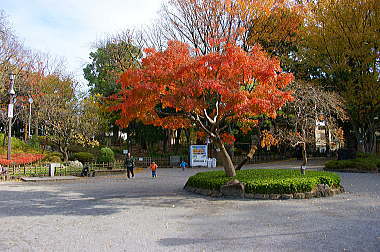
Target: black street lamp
(30, 115)
(10, 113)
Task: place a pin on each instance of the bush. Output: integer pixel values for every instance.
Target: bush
(74, 164)
(52, 159)
(34, 142)
(368, 163)
(17, 144)
(366, 155)
(84, 157)
(266, 181)
(22, 158)
(106, 155)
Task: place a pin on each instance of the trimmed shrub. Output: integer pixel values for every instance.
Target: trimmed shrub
(84, 157)
(52, 159)
(34, 142)
(366, 155)
(369, 164)
(106, 155)
(267, 181)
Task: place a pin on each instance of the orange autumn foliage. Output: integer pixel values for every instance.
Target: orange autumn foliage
(268, 139)
(227, 138)
(176, 88)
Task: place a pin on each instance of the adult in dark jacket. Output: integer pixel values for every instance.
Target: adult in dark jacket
(129, 164)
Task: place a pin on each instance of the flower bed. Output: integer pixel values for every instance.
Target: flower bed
(20, 159)
(266, 181)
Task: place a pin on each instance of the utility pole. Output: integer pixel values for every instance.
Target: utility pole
(10, 113)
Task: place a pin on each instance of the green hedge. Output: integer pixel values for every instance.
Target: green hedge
(84, 157)
(53, 157)
(370, 163)
(267, 181)
(106, 155)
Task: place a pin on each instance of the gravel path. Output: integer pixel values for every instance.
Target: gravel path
(144, 214)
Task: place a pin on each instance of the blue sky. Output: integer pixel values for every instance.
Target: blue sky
(68, 28)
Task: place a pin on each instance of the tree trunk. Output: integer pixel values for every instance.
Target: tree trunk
(226, 159)
(166, 140)
(187, 133)
(115, 134)
(370, 140)
(304, 158)
(247, 158)
(65, 153)
(178, 136)
(26, 135)
(5, 135)
(36, 126)
(327, 136)
(365, 139)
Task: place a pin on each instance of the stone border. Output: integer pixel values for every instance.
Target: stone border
(321, 191)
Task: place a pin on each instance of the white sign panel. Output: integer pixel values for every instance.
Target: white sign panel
(10, 110)
(198, 155)
(125, 152)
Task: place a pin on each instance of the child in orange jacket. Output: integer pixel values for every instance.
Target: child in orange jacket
(153, 167)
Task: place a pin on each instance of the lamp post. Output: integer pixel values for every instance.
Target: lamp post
(10, 113)
(30, 115)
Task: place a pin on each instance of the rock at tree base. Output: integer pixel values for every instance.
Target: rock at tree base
(233, 188)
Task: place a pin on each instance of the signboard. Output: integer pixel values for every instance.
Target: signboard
(125, 152)
(198, 155)
(10, 110)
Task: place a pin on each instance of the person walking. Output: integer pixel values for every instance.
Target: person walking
(129, 164)
(153, 167)
(183, 165)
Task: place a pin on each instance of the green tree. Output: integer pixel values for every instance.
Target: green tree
(67, 120)
(341, 49)
(112, 57)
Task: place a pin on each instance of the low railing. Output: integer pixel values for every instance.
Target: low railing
(260, 158)
(39, 170)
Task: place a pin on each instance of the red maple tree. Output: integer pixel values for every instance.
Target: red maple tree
(179, 88)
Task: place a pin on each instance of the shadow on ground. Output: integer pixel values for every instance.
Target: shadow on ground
(87, 203)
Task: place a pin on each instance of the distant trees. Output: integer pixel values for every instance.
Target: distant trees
(269, 23)
(58, 112)
(298, 121)
(331, 46)
(341, 49)
(112, 57)
(68, 120)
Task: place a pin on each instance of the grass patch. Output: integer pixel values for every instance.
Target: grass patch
(267, 181)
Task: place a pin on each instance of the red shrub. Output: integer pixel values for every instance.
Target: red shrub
(20, 158)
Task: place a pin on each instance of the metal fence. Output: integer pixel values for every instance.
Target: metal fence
(40, 170)
(260, 158)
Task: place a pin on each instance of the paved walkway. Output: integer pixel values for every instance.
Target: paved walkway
(145, 214)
